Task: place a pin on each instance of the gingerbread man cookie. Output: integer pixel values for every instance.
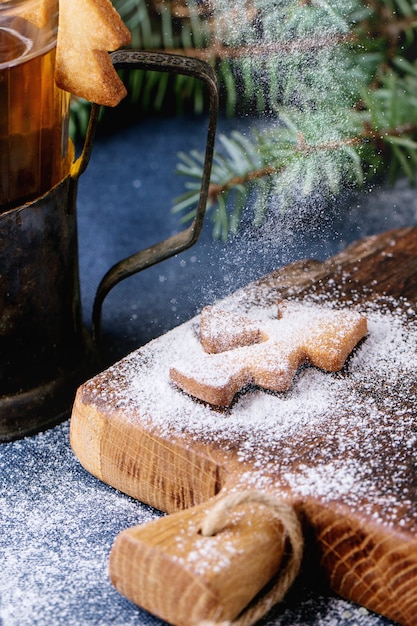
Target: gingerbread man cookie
(242, 351)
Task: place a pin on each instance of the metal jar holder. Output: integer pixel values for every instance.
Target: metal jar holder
(45, 349)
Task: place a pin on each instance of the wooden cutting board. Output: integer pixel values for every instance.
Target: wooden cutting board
(340, 447)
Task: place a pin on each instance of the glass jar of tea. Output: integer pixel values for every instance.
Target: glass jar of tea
(34, 112)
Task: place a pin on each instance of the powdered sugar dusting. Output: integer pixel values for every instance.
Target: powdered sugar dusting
(57, 527)
(349, 434)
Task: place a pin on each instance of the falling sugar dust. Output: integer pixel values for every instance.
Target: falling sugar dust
(292, 60)
(286, 178)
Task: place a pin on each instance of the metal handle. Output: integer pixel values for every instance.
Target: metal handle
(176, 64)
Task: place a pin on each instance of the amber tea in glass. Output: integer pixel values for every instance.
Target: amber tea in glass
(33, 110)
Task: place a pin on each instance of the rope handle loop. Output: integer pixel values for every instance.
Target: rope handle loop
(216, 519)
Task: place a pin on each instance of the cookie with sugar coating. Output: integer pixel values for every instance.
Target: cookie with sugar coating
(242, 351)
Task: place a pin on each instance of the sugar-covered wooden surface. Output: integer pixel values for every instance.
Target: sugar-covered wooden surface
(341, 445)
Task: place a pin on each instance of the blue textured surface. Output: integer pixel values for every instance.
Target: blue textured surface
(57, 522)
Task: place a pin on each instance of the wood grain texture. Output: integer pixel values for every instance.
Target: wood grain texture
(352, 475)
(170, 569)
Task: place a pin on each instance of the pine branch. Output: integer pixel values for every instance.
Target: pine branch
(305, 149)
(356, 76)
